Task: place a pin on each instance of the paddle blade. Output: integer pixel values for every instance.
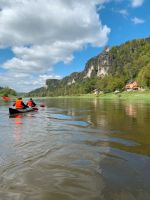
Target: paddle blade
(34, 108)
(42, 105)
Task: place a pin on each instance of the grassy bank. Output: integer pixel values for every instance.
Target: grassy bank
(142, 95)
(136, 95)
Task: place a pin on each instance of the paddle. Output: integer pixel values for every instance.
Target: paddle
(34, 108)
(42, 105)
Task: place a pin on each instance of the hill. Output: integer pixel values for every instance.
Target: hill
(110, 70)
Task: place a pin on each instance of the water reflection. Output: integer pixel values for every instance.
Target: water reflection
(76, 149)
(128, 120)
(131, 110)
(17, 128)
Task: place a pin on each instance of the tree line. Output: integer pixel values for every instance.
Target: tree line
(128, 62)
(6, 91)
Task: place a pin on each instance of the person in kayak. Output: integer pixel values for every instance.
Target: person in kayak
(31, 103)
(19, 104)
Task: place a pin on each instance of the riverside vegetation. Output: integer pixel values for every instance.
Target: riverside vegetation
(6, 91)
(109, 71)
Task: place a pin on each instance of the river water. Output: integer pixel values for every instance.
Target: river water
(76, 149)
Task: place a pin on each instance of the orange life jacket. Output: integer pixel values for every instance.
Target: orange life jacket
(30, 103)
(19, 104)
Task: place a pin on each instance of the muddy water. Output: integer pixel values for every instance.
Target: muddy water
(74, 149)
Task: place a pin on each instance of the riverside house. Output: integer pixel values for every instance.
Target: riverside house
(132, 86)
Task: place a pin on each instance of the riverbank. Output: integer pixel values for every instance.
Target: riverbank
(136, 95)
(139, 95)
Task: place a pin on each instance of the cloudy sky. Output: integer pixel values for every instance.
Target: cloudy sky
(42, 39)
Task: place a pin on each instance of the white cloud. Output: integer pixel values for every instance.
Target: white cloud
(137, 3)
(24, 82)
(123, 12)
(42, 33)
(136, 20)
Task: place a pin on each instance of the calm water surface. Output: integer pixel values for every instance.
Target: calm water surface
(76, 149)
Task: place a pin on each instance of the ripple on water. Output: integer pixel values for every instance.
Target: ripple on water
(75, 151)
(69, 120)
(78, 123)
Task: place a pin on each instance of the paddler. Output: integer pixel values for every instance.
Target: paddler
(31, 103)
(19, 104)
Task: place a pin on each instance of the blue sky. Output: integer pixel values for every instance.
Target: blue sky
(58, 38)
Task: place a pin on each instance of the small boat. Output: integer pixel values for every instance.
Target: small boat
(13, 111)
(6, 98)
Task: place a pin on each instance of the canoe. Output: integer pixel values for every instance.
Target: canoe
(6, 98)
(13, 111)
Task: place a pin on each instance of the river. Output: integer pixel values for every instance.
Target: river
(76, 149)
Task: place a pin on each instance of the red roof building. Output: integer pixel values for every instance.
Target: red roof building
(132, 86)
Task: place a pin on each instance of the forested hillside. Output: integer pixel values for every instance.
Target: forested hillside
(6, 91)
(108, 71)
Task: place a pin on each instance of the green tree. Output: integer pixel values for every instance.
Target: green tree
(144, 76)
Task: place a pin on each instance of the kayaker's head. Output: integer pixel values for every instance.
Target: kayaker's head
(30, 98)
(20, 98)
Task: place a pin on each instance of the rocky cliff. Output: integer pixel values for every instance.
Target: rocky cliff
(95, 67)
(109, 70)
